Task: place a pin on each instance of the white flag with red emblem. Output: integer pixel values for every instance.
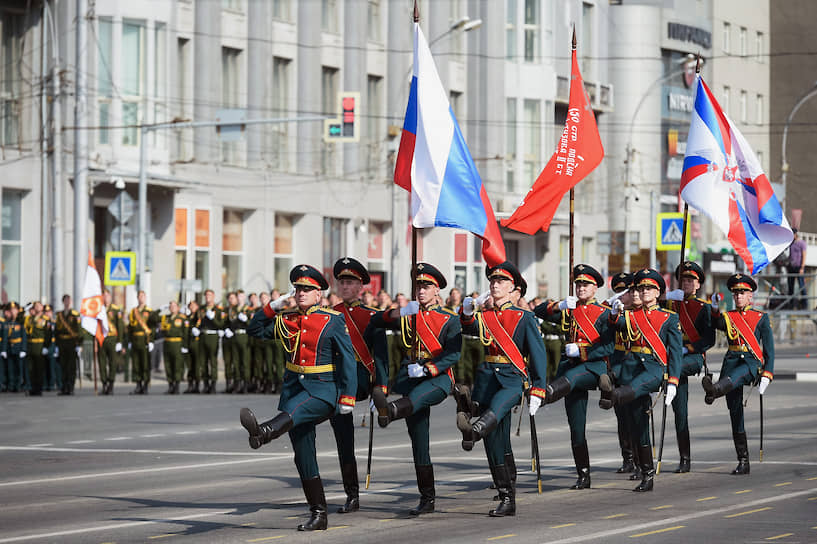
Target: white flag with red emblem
(93, 313)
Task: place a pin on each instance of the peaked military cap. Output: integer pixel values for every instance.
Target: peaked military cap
(506, 270)
(689, 269)
(651, 278)
(621, 281)
(12, 305)
(741, 282)
(522, 286)
(47, 308)
(308, 276)
(428, 273)
(348, 267)
(588, 274)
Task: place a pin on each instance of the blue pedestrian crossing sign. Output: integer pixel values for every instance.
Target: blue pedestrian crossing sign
(669, 230)
(120, 268)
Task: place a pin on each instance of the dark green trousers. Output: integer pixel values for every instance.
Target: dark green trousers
(691, 365)
(423, 396)
(209, 356)
(107, 358)
(582, 378)
(68, 362)
(140, 359)
(174, 359)
(241, 356)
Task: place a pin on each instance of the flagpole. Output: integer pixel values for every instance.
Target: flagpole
(572, 208)
(686, 205)
(413, 357)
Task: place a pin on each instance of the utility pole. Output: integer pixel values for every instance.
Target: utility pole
(44, 155)
(57, 235)
(80, 155)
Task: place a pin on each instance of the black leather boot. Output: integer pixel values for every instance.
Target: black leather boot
(742, 449)
(313, 490)
(211, 388)
(582, 458)
(169, 388)
(715, 390)
(351, 486)
(425, 483)
(507, 500)
(483, 426)
(137, 390)
(110, 387)
(398, 409)
(557, 389)
(189, 389)
(684, 450)
(647, 470)
(266, 432)
(510, 464)
(606, 387)
(145, 386)
(229, 387)
(466, 428)
(618, 396)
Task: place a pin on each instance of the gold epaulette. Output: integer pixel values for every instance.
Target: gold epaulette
(329, 310)
(447, 310)
(370, 308)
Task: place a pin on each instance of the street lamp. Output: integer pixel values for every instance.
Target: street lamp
(785, 165)
(465, 23)
(631, 152)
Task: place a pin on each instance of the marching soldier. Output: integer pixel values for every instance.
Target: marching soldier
(320, 380)
(68, 344)
(141, 332)
(695, 316)
(194, 350)
(111, 348)
(425, 376)
(514, 357)
(655, 342)
(38, 333)
(584, 360)
(17, 341)
(372, 367)
(175, 330)
(211, 325)
(621, 353)
(750, 356)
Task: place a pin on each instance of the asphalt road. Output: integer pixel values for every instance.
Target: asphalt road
(141, 469)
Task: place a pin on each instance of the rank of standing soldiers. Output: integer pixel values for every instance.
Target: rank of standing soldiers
(322, 359)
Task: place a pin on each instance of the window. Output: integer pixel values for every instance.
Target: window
(744, 107)
(455, 101)
(104, 77)
(283, 250)
(201, 240)
(373, 16)
(727, 31)
(456, 39)
(744, 47)
(329, 105)
(587, 38)
(532, 145)
(759, 109)
(587, 243)
(180, 254)
(510, 144)
(329, 15)
(11, 250)
(725, 99)
(230, 81)
(373, 107)
(759, 46)
(12, 32)
(281, 9)
(234, 5)
(279, 148)
(510, 30)
(531, 28)
(160, 77)
(183, 91)
(376, 253)
(232, 250)
(133, 79)
(334, 242)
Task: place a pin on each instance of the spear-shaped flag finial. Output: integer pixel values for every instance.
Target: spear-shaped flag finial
(574, 37)
(698, 64)
(416, 12)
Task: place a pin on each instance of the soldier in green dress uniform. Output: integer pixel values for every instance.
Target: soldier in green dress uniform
(112, 347)
(175, 330)
(211, 324)
(17, 342)
(235, 332)
(4, 364)
(142, 323)
(39, 342)
(194, 350)
(68, 333)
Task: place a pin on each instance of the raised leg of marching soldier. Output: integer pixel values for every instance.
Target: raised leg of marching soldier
(241, 360)
(639, 420)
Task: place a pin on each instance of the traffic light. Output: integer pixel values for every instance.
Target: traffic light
(345, 127)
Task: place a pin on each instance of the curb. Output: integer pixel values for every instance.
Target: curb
(778, 375)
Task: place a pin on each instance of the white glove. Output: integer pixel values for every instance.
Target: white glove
(676, 294)
(118, 346)
(184, 350)
(672, 389)
(569, 303)
(653, 396)
(210, 314)
(3, 354)
(684, 350)
(572, 350)
(195, 331)
(764, 383)
(716, 298)
(22, 355)
(480, 300)
(45, 351)
(220, 334)
(346, 409)
(150, 347)
(468, 306)
(78, 349)
(411, 308)
(279, 302)
(243, 317)
(618, 307)
(56, 352)
(416, 370)
(228, 333)
(129, 345)
(533, 404)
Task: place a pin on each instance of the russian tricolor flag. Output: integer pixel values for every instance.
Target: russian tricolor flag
(723, 179)
(435, 165)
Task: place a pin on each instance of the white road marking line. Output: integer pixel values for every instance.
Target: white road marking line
(157, 435)
(80, 442)
(116, 438)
